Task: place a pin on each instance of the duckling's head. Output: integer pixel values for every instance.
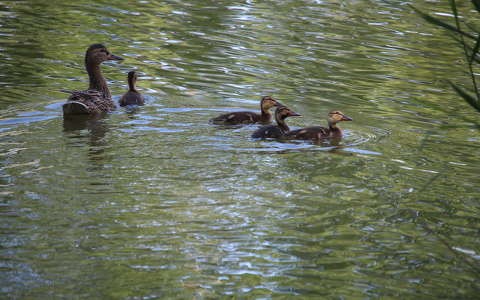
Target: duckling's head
(268, 102)
(132, 76)
(284, 112)
(98, 53)
(337, 116)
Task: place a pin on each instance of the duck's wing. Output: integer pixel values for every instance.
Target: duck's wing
(87, 102)
(237, 117)
(310, 133)
(269, 131)
(75, 108)
(81, 102)
(84, 96)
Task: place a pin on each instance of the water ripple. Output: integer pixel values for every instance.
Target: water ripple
(106, 206)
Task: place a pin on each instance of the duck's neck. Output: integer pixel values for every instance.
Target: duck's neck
(281, 123)
(334, 130)
(97, 81)
(131, 84)
(266, 114)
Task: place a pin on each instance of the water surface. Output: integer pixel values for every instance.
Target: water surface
(157, 203)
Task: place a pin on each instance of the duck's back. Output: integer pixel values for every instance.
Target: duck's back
(87, 102)
(132, 98)
(238, 117)
(310, 133)
(270, 131)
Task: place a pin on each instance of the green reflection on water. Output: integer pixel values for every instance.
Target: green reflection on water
(158, 203)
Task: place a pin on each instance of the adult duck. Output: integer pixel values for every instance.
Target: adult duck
(281, 129)
(132, 97)
(249, 117)
(319, 132)
(97, 98)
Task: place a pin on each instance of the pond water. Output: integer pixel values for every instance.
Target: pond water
(155, 202)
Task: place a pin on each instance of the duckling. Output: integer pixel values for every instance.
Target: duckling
(318, 132)
(248, 117)
(97, 98)
(281, 129)
(132, 96)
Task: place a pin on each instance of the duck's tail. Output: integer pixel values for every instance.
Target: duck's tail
(75, 108)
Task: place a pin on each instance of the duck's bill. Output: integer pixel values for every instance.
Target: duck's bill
(114, 57)
(293, 114)
(345, 118)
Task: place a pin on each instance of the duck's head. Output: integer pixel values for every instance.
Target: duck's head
(98, 53)
(132, 76)
(284, 112)
(336, 116)
(268, 102)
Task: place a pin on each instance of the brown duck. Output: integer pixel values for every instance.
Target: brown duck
(132, 97)
(281, 129)
(318, 132)
(97, 98)
(248, 117)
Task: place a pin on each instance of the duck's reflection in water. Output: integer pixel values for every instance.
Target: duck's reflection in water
(92, 127)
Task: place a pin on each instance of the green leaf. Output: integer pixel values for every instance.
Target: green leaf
(440, 23)
(475, 50)
(467, 97)
(476, 3)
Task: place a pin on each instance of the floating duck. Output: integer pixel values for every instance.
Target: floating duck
(248, 117)
(281, 129)
(132, 97)
(97, 98)
(318, 132)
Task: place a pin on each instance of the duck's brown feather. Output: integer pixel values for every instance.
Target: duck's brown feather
(97, 98)
(315, 133)
(93, 100)
(269, 131)
(241, 117)
(132, 98)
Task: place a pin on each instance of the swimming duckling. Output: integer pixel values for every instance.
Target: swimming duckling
(248, 117)
(97, 98)
(281, 129)
(318, 132)
(132, 97)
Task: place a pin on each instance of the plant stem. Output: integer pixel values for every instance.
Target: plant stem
(465, 50)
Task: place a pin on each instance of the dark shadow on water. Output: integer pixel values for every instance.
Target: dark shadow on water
(96, 130)
(89, 133)
(132, 110)
(285, 145)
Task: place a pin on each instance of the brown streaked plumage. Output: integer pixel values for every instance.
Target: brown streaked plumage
(281, 129)
(248, 117)
(97, 98)
(132, 97)
(319, 132)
